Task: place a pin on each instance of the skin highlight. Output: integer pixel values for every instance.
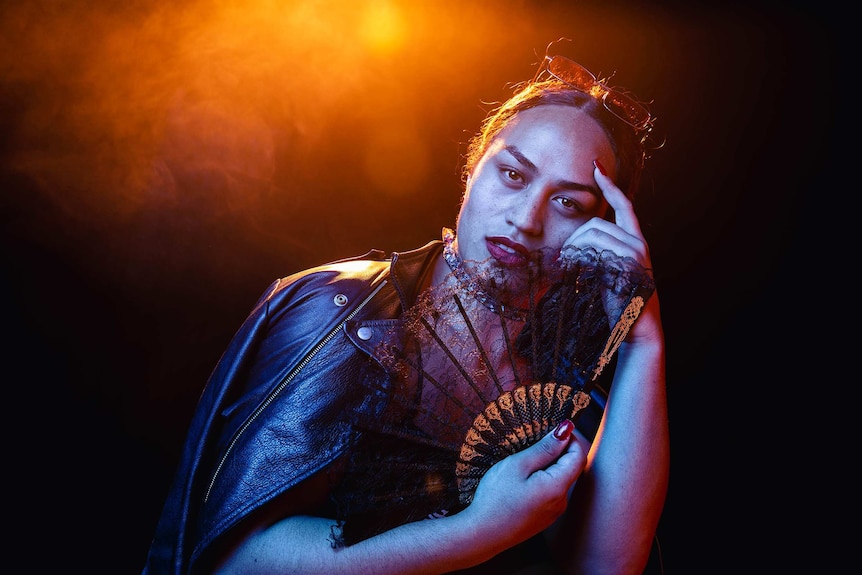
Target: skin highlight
(531, 183)
(534, 187)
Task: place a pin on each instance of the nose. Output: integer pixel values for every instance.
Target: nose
(527, 214)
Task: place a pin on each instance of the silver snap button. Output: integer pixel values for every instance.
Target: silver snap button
(364, 333)
(340, 300)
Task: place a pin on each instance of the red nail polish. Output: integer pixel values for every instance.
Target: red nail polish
(564, 429)
(601, 168)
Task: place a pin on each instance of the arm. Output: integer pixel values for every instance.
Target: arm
(617, 502)
(619, 499)
(525, 492)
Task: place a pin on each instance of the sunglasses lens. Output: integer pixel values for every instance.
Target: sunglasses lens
(583, 80)
(627, 109)
(571, 73)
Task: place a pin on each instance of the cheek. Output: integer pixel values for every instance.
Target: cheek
(557, 239)
(476, 204)
(558, 233)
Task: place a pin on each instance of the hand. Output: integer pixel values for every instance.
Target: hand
(526, 492)
(623, 237)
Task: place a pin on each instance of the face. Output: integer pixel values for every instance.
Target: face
(533, 187)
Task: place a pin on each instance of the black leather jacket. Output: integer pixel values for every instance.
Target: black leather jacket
(271, 414)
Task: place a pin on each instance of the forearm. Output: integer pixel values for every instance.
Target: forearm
(617, 502)
(518, 497)
(301, 544)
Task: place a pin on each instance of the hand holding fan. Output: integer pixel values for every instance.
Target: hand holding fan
(482, 366)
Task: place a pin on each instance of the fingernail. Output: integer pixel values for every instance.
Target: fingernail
(601, 168)
(564, 429)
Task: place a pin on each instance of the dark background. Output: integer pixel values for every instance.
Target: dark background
(161, 164)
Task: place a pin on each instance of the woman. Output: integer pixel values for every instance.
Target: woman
(295, 460)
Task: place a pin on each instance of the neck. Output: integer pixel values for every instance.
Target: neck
(440, 273)
(454, 268)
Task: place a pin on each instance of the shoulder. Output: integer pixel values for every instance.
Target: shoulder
(364, 267)
(354, 276)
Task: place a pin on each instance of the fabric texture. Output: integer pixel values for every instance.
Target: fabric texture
(284, 403)
(271, 414)
(483, 365)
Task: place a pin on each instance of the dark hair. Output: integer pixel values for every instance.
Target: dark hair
(627, 144)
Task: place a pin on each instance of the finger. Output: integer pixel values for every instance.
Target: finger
(569, 465)
(549, 451)
(624, 213)
(601, 235)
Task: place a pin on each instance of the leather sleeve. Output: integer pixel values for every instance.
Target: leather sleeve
(262, 424)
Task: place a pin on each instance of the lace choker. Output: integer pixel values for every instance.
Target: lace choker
(472, 285)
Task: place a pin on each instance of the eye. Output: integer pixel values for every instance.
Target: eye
(568, 203)
(512, 175)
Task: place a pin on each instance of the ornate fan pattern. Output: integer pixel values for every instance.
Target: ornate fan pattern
(466, 384)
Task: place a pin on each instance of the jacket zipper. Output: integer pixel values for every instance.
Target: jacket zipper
(288, 378)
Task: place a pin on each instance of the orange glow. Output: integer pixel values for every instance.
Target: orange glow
(130, 97)
(382, 27)
(397, 160)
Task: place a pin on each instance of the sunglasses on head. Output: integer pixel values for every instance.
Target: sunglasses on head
(573, 74)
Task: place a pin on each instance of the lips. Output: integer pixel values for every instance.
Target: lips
(507, 252)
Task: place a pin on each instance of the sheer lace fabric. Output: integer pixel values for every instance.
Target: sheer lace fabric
(463, 383)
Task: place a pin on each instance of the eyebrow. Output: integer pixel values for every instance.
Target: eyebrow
(564, 184)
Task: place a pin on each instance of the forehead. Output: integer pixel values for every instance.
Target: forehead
(564, 131)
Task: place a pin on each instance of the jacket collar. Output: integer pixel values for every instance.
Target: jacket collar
(409, 268)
